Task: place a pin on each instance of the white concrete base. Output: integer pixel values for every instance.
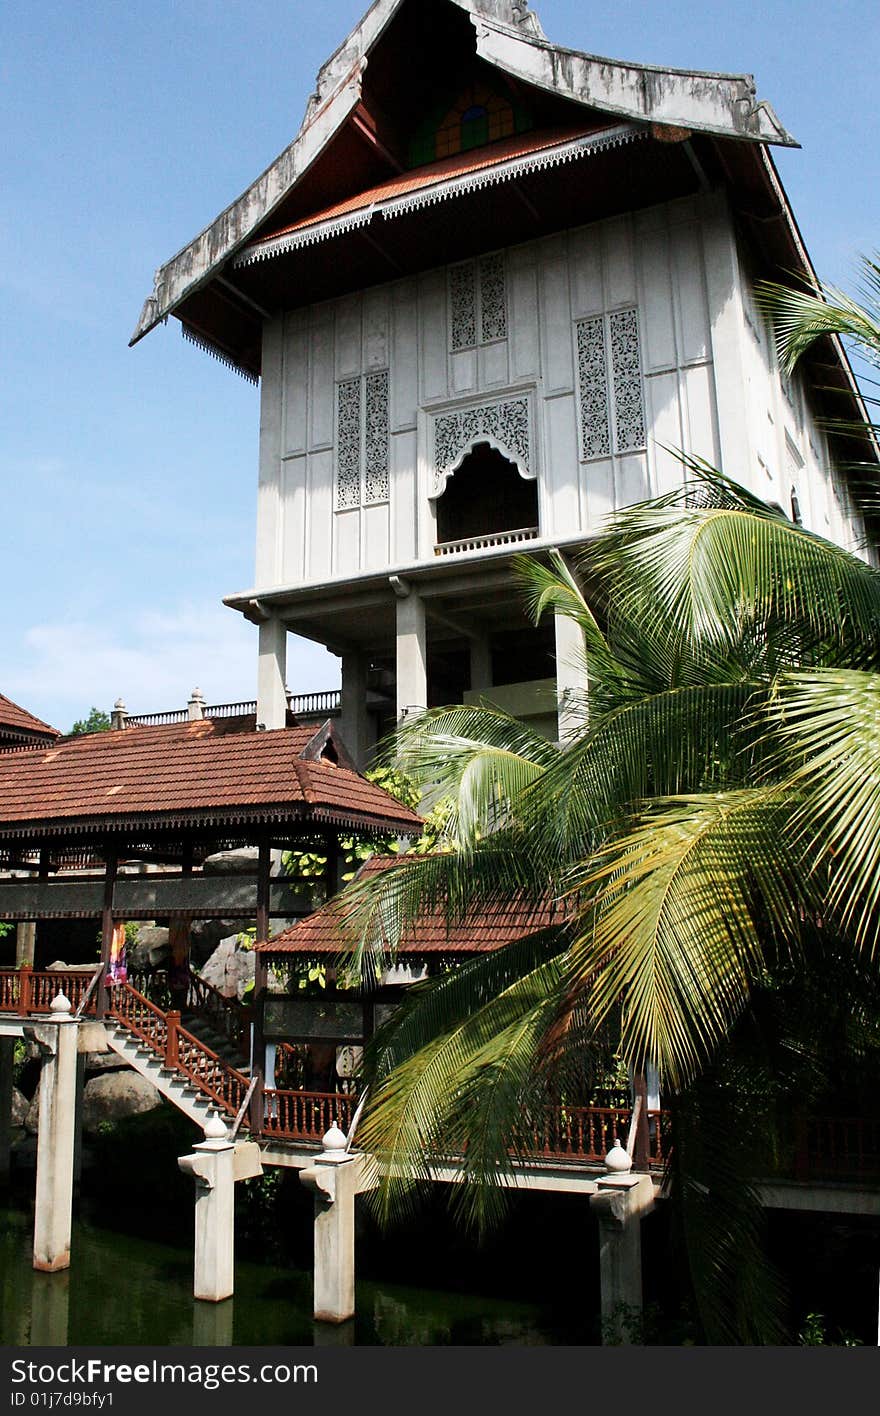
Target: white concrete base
(335, 1185)
(619, 1204)
(212, 1166)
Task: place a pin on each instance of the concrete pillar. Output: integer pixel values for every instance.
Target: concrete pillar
(619, 1204)
(119, 716)
(481, 664)
(212, 1166)
(412, 655)
(55, 1138)
(334, 1179)
(25, 943)
(77, 1125)
(7, 1060)
(355, 728)
(571, 678)
(195, 708)
(272, 674)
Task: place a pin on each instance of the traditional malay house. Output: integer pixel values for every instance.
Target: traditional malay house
(488, 290)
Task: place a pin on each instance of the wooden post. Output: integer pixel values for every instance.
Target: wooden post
(106, 932)
(642, 1153)
(25, 989)
(172, 1023)
(261, 979)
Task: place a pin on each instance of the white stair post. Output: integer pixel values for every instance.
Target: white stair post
(334, 1180)
(620, 1203)
(212, 1166)
(55, 1137)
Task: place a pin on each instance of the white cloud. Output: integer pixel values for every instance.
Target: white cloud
(153, 662)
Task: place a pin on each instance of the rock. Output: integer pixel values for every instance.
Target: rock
(115, 1095)
(151, 948)
(243, 861)
(104, 1062)
(60, 966)
(32, 1116)
(20, 1107)
(206, 934)
(230, 968)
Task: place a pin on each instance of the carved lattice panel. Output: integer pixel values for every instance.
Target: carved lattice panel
(507, 424)
(348, 444)
(376, 437)
(593, 388)
(626, 373)
(463, 305)
(493, 299)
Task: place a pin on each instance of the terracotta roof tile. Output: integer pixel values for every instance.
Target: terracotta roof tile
(448, 168)
(170, 773)
(484, 930)
(19, 720)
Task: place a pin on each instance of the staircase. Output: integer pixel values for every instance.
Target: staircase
(184, 1068)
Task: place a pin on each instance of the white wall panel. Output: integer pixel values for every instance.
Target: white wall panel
(375, 542)
(492, 365)
(690, 281)
(293, 485)
(321, 381)
(377, 313)
(346, 543)
(463, 371)
(433, 337)
(556, 348)
(404, 356)
(657, 323)
(524, 338)
(560, 504)
(404, 477)
(698, 410)
(320, 492)
(619, 262)
(348, 337)
(585, 256)
(664, 427)
(296, 381)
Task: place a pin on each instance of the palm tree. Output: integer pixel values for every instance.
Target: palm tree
(711, 830)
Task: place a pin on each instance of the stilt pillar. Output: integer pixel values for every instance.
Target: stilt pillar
(412, 653)
(25, 943)
(619, 1204)
(7, 1062)
(212, 1166)
(55, 1137)
(272, 674)
(334, 1179)
(354, 720)
(571, 678)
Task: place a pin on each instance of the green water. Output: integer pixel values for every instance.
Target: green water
(126, 1290)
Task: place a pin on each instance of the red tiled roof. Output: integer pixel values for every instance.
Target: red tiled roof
(448, 168)
(186, 773)
(322, 933)
(18, 720)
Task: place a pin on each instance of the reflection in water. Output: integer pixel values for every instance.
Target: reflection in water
(50, 1303)
(124, 1290)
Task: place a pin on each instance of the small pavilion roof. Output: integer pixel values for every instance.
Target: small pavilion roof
(203, 773)
(323, 933)
(17, 722)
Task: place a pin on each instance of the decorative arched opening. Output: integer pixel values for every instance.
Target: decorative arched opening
(486, 496)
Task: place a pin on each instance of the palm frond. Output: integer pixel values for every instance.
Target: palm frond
(801, 317)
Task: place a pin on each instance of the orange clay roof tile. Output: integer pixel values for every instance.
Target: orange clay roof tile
(179, 772)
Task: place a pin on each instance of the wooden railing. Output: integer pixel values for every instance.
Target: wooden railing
(178, 1049)
(27, 991)
(305, 1116)
(837, 1148)
(482, 543)
(228, 1016)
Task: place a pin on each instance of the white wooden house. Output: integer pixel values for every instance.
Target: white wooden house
(489, 289)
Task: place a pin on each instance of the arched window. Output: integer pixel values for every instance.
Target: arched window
(485, 496)
(477, 116)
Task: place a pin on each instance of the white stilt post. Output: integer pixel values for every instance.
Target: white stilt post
(55, 1137)
(412, 655)
(7, 1061)
(571, 678)
(334, 1179)
(212, 1166)
(272, 674)
(620, 1203)
(354, 720)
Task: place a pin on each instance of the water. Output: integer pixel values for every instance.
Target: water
(126, 1289)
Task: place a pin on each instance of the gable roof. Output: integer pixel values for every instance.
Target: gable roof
(188, 775)
(18, 723)
(322, 934)
(509, 38)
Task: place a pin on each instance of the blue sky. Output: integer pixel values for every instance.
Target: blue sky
(128, 476)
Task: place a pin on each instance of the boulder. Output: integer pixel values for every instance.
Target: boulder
(20, 1107)
(104, 1062)
(115, 1095)
(206, 934)
(151, 949)
(243, 861)
(230, 968)
(32, 1116)
(59, 966)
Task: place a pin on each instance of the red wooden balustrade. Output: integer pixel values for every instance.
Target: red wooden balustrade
(305, 1116)
(27, 991)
